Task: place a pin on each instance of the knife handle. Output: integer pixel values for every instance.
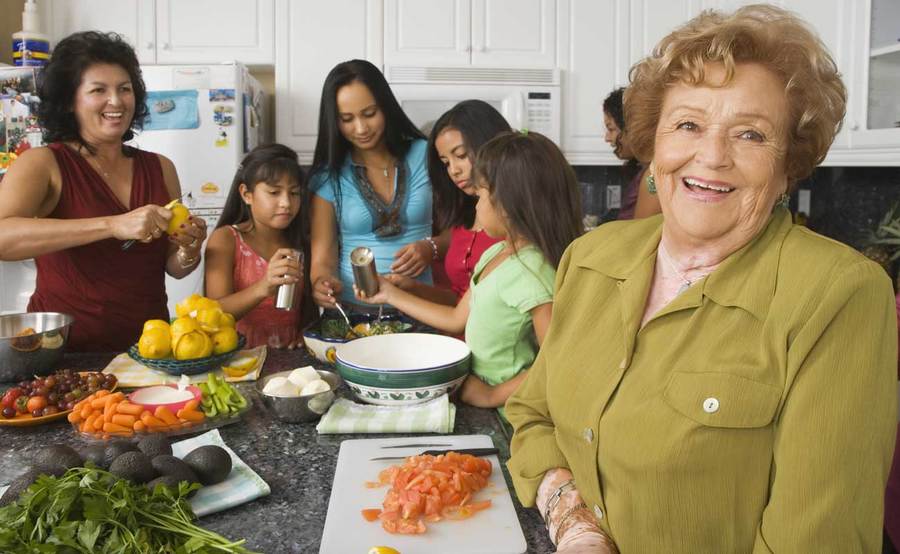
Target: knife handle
(472, 451)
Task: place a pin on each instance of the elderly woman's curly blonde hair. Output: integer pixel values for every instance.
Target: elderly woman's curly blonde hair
(770, 36)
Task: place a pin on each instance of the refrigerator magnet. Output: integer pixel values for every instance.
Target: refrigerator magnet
(222, 139)
(221, 94)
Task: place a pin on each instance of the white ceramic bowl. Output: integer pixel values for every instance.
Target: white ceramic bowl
(404, 368)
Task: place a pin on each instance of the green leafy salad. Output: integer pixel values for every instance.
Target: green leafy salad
(90, 511)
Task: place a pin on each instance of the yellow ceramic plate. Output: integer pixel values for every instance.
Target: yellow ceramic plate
(27, 420)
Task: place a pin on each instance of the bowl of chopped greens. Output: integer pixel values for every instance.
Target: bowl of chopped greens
(322, 337)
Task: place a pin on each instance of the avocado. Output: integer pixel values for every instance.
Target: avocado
(166, 464)
(211, 463)
(18, 486)
(96, 454)
(168, 480)
(116, 448)
(58, 454)
(134, 466)
(52, 469)
(154, 445)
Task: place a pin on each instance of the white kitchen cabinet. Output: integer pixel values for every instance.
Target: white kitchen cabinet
(183, 31)
(313, 37)
(487, 33)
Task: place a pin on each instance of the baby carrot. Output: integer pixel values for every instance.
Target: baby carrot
(116, 428)
(139, 426)
(101, 393)
(124, 420)
(152, 422)
(98, 403)
(74, 417)
(191, 404)
(190, 415)
(166, 415)
(98, 422)
(126, 407)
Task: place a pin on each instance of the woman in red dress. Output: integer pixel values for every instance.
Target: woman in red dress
(72, 204)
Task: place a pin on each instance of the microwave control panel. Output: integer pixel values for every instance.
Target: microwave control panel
(539, 107)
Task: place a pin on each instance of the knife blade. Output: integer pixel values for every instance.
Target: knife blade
(472, 451)
(418, 445)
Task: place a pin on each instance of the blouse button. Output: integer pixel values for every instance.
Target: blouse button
(598, 512)
(588, 435)
(711, 405)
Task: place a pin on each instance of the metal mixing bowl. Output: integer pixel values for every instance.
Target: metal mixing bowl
(298, 409)
(38, 354)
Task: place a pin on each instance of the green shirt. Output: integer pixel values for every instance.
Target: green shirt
(499, 330)
(754, 413)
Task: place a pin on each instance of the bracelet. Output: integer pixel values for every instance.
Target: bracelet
(565, 517)
(554, 499)
(185, 261)
(434, 248)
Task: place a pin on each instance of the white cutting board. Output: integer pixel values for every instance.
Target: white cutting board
(492, 531)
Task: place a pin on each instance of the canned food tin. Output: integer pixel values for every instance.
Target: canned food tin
(365, 276)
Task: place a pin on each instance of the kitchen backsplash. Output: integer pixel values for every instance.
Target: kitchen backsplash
(845, 201)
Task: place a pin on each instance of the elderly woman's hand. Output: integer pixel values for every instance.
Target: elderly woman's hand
(143, 224)
(413, 259)
(585, 541)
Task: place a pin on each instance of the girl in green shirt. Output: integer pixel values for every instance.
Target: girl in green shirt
(528, 198)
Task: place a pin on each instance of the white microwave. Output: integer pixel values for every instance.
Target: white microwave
(528, 98)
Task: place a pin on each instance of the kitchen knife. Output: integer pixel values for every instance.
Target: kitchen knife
(472, 451)
(418, 445)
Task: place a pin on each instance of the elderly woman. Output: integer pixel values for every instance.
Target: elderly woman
(716, 379)
(72, 204)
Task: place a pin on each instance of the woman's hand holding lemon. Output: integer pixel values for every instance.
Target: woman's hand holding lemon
(143, 224)
(185, 230)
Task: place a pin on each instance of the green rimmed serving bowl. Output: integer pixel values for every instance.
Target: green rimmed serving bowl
(403, 368)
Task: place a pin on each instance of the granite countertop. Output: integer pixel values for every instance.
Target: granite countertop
(296, 462)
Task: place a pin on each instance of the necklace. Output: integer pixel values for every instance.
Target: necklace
(99, 166)
(685, 282)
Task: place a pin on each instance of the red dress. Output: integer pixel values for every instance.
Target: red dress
(466, 248)
(264, 324)
(110, 292)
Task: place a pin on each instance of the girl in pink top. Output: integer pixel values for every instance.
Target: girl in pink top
(455, 138)
(260, 243)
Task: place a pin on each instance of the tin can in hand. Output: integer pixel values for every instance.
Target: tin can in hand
(285, 297)
(365, 276)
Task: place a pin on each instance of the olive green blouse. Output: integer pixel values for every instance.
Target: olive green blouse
(754, 413)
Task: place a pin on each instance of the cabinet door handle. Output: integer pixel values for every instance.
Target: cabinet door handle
(150, 45)
(167, 46)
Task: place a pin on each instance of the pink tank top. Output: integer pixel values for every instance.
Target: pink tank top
(264, 324)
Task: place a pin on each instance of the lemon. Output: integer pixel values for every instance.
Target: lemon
(210, 319)
(180, 214)
(225, 340)
(156, 324)
(383, 550)
(183, 325)
(204, 303)
(191, 346)
(188, 305)
(227, 320)
(240, 367)
(154, 343)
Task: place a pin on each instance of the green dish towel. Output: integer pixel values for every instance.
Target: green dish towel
(344, 416)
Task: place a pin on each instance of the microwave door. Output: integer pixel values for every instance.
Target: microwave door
(424, 104)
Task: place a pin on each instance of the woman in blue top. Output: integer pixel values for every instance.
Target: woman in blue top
(371, 184)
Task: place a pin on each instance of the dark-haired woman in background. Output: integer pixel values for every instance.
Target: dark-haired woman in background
(455, 138)
(370, 183)
(71, 204)
(638, 201)
(260, 243)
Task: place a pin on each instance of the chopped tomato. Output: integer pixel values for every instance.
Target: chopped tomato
(371, 514)
(430, 488)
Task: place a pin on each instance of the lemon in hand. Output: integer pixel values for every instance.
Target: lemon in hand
(191, 346)
(154, 343)
(180, 214)
(225, 340)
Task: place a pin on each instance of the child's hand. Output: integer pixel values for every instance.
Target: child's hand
(402, 282)
(385, 290)
(284, 268)
(325, 289)
(413, 259)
